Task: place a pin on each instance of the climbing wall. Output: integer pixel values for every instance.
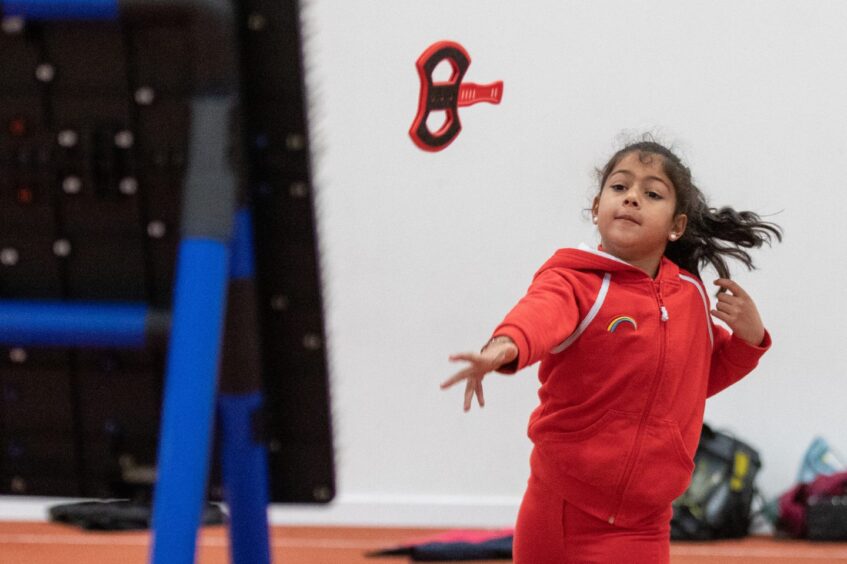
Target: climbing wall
(95, 129)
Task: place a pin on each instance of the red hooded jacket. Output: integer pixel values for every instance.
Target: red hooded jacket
(627, 363)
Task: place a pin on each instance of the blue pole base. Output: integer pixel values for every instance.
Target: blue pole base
(189, 399)
(245, 474)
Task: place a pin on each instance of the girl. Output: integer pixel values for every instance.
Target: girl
(629, 354)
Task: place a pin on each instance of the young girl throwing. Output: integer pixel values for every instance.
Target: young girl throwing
(629, 353)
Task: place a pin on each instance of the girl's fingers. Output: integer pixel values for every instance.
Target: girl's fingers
(469, 389)
(456, 378)
(731, 285)
(722, 316)
(728, 308)
(728, 298)
(472, 376)
(468, 356)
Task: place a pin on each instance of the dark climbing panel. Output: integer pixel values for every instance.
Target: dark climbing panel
(94, 133)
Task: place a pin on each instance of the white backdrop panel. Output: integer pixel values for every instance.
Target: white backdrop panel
(423, 253)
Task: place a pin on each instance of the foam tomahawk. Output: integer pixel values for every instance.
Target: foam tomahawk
(447, 96)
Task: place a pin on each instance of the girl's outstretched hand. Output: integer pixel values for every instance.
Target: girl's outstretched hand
(735, 307)
(497, 353)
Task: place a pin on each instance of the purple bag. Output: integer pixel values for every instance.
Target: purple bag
(794, 504)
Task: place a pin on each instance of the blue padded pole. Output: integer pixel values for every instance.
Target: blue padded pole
(54, 323)
(196, 334)
(185, 437)
(61, 9)
(244, 459)
(244, 463)
(243, 266)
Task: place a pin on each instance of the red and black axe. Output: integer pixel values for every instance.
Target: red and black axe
(447, 96)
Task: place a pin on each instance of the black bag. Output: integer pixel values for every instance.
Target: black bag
(826, 518)
(119, 515)
(717, 503)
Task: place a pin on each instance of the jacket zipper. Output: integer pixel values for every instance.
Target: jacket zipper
(654, 388)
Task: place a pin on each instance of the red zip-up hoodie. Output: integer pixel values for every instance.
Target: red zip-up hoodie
(627, 363)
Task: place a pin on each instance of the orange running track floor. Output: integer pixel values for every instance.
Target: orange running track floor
(39, 542)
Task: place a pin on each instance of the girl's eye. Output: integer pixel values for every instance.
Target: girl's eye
(617, 187)
(654, 195)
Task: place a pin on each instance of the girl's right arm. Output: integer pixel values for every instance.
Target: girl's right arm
(542, 319)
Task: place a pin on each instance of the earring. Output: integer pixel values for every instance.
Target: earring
(674, 236)
(594, 219)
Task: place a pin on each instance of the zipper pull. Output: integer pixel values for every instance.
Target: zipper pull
(662, 309)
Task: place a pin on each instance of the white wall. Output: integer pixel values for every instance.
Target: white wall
(424, 253)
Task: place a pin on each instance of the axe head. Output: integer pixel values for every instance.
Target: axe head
(442, 96)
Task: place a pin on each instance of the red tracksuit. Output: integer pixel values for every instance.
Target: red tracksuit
(627, 363)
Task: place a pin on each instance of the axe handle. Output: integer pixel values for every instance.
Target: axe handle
(472, 93)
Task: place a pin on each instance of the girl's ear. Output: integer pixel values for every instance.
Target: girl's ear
(595, 207)
(678, 227)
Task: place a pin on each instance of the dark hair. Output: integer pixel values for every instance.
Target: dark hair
(711, 235)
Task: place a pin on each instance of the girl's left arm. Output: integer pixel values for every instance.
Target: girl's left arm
(735, 355)
(736, 308)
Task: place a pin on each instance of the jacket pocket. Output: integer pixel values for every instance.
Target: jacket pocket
(663, 469)
(595, 455)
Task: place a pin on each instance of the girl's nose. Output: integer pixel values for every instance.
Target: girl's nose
(630, 200)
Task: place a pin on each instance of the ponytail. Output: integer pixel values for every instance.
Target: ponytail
(714, 235)
(711, 235)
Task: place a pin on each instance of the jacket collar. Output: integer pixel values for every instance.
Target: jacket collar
(668, 270)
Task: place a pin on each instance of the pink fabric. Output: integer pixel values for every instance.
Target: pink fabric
(463, 535)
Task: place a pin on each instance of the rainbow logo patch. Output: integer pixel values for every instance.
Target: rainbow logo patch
(622, 319)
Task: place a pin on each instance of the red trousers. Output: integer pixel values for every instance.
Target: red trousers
(550, 530)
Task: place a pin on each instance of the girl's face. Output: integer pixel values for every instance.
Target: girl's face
(635, 210)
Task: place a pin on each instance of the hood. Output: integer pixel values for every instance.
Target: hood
(587, 259)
